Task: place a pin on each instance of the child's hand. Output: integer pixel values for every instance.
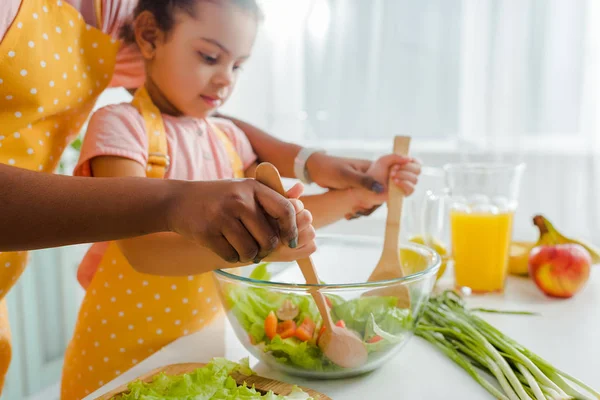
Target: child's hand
(403, 171)
(306, 232)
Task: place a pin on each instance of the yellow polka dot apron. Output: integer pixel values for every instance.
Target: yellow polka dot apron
(126, 316)
(52, 68)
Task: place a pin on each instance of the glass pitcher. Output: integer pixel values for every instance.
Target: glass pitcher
(432, 179)
(475, 215)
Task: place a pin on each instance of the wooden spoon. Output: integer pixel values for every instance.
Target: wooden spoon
(340, 345)
(390, 265)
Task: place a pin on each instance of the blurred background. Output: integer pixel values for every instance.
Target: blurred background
(467, 79)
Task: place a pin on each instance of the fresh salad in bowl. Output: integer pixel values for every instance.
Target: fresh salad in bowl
(284, 327)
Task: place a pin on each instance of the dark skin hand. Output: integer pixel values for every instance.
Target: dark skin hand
(42, 210)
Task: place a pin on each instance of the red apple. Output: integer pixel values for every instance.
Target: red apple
(560, 270)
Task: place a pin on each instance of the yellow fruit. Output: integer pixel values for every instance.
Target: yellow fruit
(437, 246)
(550, 236)
(518, 258)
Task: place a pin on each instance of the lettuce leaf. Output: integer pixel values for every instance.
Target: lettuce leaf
(211, 382)
(301, 354)
(260, 273)
(372, 330)
(357, 312)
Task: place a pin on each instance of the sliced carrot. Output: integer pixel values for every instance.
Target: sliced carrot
(375, 339)
(321, 331)
(286, 329)
(271, 325)
(306, 330)
(340, 324)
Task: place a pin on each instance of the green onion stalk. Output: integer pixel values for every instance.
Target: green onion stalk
(480, 349)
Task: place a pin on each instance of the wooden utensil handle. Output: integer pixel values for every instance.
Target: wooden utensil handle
(268, 175)
(310, 275)
(395, 199)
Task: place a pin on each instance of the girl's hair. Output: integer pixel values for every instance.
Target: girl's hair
(164, 10)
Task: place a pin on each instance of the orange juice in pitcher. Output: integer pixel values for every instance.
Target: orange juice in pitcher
(475, 213)
(480, 246)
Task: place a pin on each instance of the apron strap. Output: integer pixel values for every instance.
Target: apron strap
(158, 156)
(236, 162)
(98, 11)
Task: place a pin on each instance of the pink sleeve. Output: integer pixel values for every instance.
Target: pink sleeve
(238, 138)
(115, 130)
(8, 13)
(129, 68)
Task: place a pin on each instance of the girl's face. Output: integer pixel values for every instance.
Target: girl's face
(193, 68)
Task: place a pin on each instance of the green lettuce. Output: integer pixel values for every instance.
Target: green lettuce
(301, 354)
(211, 382)
(372, 330)
(368, 316)
(356, 314)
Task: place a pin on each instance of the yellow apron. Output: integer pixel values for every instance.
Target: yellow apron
(52, 68)
(126, 316)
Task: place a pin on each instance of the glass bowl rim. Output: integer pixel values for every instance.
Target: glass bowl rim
(430, 270)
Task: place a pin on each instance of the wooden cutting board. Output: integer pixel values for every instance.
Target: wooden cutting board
(262, 385)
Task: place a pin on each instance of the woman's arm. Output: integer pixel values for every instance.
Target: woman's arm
(41, 210)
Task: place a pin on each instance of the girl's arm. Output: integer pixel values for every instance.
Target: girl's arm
(268, 148)
(171, 254)
(333, 205)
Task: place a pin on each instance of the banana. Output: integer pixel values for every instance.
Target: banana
(549, 236)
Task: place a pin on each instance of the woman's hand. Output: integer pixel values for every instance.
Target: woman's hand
(240, 220)
(342, 173)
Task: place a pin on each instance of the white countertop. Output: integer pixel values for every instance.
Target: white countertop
(567, 334)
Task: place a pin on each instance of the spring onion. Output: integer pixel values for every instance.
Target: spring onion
(479, 348)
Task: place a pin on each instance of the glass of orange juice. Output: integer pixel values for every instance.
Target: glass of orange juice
(476, 211)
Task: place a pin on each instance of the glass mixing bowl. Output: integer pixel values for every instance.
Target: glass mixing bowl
(276, 319)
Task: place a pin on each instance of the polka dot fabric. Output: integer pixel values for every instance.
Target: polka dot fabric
(52, 68)
(126, 316)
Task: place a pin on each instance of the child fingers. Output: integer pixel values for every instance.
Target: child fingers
(411, 167)
(304, 220)
(306, 237)
(407, 187)
(405, 176)
(295, 191)
(298, 205)
(392, 159)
